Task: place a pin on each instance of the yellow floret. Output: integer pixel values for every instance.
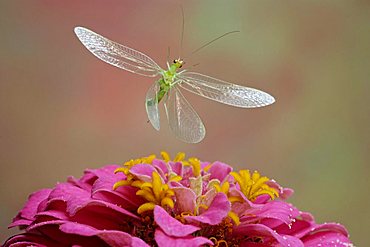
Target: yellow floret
(255, 185)
(155, 192)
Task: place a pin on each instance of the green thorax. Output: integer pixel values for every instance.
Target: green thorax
(168, 79)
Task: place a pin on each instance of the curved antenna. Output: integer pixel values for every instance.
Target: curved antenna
(210, 42)
(182, 29)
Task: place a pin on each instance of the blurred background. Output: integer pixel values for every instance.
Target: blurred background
(63, 110)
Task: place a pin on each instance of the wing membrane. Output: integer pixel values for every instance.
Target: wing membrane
(182, 118)
(116, 54)
(224, 92)
(151, 105)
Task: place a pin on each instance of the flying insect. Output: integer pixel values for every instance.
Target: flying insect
(183, 120)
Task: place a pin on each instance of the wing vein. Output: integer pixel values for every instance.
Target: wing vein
(224, 92)
(116, 54)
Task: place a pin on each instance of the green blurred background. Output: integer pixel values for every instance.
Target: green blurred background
(62, 110)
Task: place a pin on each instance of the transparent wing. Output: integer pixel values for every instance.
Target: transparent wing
(117, 54)
(224, 92)
(151, 105)
(182, 118)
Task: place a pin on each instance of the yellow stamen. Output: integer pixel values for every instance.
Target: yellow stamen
(167, 202)
(121, 169)
(255, 185)
(207, 167)
(170, 193)
(165, 156)
(146, 184)
(183, 214)
(157, 184)
(234, 217)
(233, 199)
(155, 193)
(174, 177)
(150, 158)
(179, 157)
(221, 242)
(121, 183)
(137, 183)
(217, 187)
(149, 206)
(225, 187)
(213, 239)
(181, 217)
(146, 195)
(143, 160)
(203, 206)
(195, 163)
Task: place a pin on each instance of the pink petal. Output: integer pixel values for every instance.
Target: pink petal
(185, 199)
(137, 242)
(77, 199)
(334, 227)
(262, 199)
(52, 231)
(27, 244)
(73, 196)
(128, 193)
(258, 230)
(51, 215)
(81, 184)
(70, 233)
(44, 223)
(286, 193)
(29, 239)
(328, 233)
(76, 228)
(106, 180)
(302, 225)
(104, 216)
(91, 175)
(143, 172)
(100, 172)
(177, 168)
(251, 244)
(203, 164)
(27, 213)
(111, 237)
(160, 166)
(125, 196)
(278, 210)
(216, 212)
(326, 239)
(21, 223)
(170, 225)
(164, 240)
(219, 171)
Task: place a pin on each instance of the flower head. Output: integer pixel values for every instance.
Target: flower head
(169, 202)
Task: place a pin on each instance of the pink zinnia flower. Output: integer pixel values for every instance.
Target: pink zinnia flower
(164, 202)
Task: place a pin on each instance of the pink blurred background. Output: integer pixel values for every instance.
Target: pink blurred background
(63, 110)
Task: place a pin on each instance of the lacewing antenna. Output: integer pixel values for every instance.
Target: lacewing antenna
(206, 44)
(210, 42)
(182, 29)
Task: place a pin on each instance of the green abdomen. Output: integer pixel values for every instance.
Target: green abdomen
(163, 89)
